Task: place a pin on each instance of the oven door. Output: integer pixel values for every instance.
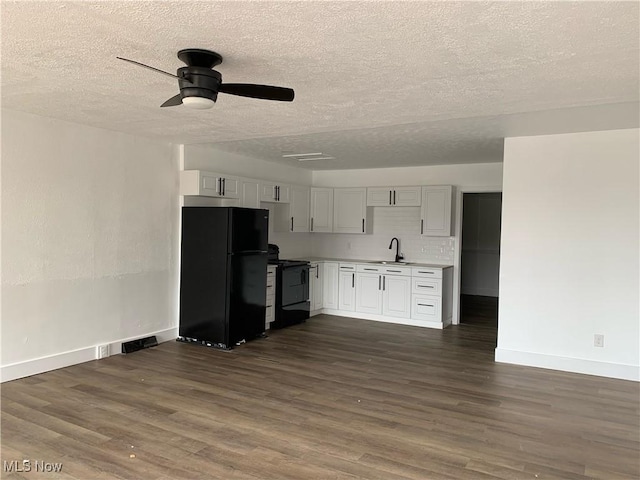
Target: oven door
(295, 285)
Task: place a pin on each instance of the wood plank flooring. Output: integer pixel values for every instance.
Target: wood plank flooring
(331, 398)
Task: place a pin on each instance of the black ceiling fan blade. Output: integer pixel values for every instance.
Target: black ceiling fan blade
(265, 92)
(154, 69)
(173, 101)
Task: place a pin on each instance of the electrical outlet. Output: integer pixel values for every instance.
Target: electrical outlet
(598, 340)
(102, 351)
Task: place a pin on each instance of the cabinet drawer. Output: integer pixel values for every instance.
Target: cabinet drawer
(427, 308)
(427, 286)
(351, 267)
(426, 272)
(369, 268)
(269, 312)
(397, 270)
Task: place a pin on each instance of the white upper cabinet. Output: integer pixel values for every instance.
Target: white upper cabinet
(274, 192)
(249, 193)
(322, 210)
(350, 213)
(394, 196)
(436, 211)
(294, 215)
(208, 184)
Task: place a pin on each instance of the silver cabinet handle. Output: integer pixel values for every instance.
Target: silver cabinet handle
(394, 271)
(379, 278)
(425, 305)
(384, 282)
(353, 280)
(363, 225)
(426, 286)
(428, 273)
(220, 186)
(389, 197)
(421, 227)
(312, 224)
(371, 269)
(394, 197)
(292, 224)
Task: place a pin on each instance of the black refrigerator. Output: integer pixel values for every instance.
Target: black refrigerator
(223, 275)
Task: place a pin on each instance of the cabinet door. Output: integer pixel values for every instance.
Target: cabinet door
(407, 196)
(379, 197)
(267, 192)
(347, 291)
(283, 194)
(369, 293)
(299, 209)
(230, 188)
(349, 210)
(249, 194)
(210, 184)
(436, 211)
(396, 296)
(330, 286)
(322, 209)
(317, 279)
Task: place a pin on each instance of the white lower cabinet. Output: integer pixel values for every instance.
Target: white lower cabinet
(330, 285)
(369, 293)
(347, 290)
(315, 287)
(420, 296)
(396, 296)
(271, 296)
(388, 295)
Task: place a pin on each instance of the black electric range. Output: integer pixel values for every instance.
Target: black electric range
(292, 290)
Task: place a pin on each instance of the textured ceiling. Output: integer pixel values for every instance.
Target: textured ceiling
(377, 83)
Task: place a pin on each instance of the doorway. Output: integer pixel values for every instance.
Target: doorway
(480, 259)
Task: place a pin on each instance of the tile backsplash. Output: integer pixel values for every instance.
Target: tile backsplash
(400, 222)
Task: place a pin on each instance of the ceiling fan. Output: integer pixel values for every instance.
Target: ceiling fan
(200, 84)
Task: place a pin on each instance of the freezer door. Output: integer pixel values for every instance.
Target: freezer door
(249, 230)
(247, 308)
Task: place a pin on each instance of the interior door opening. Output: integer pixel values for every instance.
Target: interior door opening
(480, 260)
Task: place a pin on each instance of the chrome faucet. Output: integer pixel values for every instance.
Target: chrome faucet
(399, 256)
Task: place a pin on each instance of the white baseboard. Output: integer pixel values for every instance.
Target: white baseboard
(73, 357)
(382, 318)
(568, 364)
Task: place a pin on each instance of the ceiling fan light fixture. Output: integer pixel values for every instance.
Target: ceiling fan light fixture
(198, 103)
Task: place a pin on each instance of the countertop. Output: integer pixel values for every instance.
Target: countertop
(361, 260)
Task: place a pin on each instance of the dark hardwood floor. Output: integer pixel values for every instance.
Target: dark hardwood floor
(332, 398)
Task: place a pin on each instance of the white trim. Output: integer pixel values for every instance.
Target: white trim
(568, 364)
(457, 252)
(382, 318)
(73, 357)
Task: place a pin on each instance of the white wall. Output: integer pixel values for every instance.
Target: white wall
(205, 157)
(404, 222)
(88, 238)
(570, 253)
(480, 267)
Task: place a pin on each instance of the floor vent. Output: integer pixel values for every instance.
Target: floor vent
(135, 345)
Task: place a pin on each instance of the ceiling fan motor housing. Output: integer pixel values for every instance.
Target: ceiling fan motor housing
(199, 82)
